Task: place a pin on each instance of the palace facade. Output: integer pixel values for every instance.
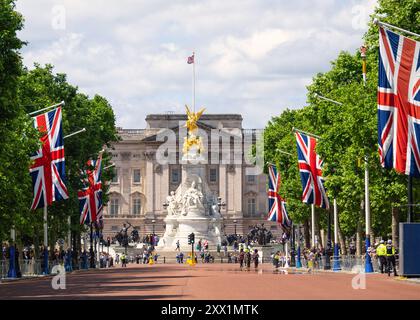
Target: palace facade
(148, 166)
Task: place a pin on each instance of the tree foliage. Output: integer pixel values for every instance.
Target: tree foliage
(22, 91)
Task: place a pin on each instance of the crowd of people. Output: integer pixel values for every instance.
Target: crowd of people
(239, 250)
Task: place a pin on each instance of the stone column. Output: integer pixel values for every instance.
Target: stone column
(150, 182)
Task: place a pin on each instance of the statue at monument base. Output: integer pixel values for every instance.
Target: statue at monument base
(191, 209)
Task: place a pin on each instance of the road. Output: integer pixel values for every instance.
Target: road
(208, 282)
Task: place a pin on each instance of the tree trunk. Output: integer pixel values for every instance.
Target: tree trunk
(318, 229)
(395, 221)
(306, 234)
(341, 238)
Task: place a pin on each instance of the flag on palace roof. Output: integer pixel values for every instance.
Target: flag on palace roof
(48, 168)
(190, 59)
(399, 102)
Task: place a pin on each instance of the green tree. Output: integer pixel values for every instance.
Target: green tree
(40, 87)
(18, 136)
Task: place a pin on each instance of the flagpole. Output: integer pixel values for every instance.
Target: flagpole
(313, 224)
(46, 108)
(69, 232)
(12, 255)
(336, 265)
(74, 133)
(307, 133)
(193, 102)
(46, 271)
(368, 260)
(380, 23)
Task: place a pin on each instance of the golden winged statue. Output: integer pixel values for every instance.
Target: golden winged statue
(192, 140)
(192, 119)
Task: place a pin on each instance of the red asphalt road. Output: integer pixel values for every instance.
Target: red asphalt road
(208, 282)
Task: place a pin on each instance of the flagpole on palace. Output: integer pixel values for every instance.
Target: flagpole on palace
(193, 88)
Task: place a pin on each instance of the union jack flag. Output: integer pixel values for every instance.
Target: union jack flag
(190, 60)
(310, 167)
(90, 197)
(398, 102)
(48, 169)
(276, 203)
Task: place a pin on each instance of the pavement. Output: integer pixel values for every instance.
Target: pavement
(210, 282)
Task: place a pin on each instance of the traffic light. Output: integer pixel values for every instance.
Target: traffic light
(191, 238)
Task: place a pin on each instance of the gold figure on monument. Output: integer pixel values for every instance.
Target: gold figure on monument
(192, 141)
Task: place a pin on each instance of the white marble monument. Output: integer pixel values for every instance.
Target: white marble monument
(193, 208)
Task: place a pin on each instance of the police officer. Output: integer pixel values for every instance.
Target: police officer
(390, 257)
(381, 253)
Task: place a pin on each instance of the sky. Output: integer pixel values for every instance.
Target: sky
(253, 57)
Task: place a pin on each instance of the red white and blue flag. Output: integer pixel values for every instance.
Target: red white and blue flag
(48, 168)
(190, 60)
(310, 168)
(276, 203)
(399, 102)
(90, 197)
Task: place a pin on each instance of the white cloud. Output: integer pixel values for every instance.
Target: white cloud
(253, 57)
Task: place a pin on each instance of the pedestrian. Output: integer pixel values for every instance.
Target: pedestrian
(390, 258)
(123, 260)
(241, 258)
(117, 259)
(276, 260)
(181, 257)
(256, 257)
(248, 259)
(381, 253)
(178, 246)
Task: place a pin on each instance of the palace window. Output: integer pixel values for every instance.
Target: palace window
(136, 176)
(115, 178)
(213, 175)
(114, 207)
(175, 175)
(250, 178)
(136, 206)
(252, 206)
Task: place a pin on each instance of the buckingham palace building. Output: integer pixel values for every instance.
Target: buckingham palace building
(148, 166)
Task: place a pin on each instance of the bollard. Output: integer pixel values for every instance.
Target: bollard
(221, 260)
(164, 260)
